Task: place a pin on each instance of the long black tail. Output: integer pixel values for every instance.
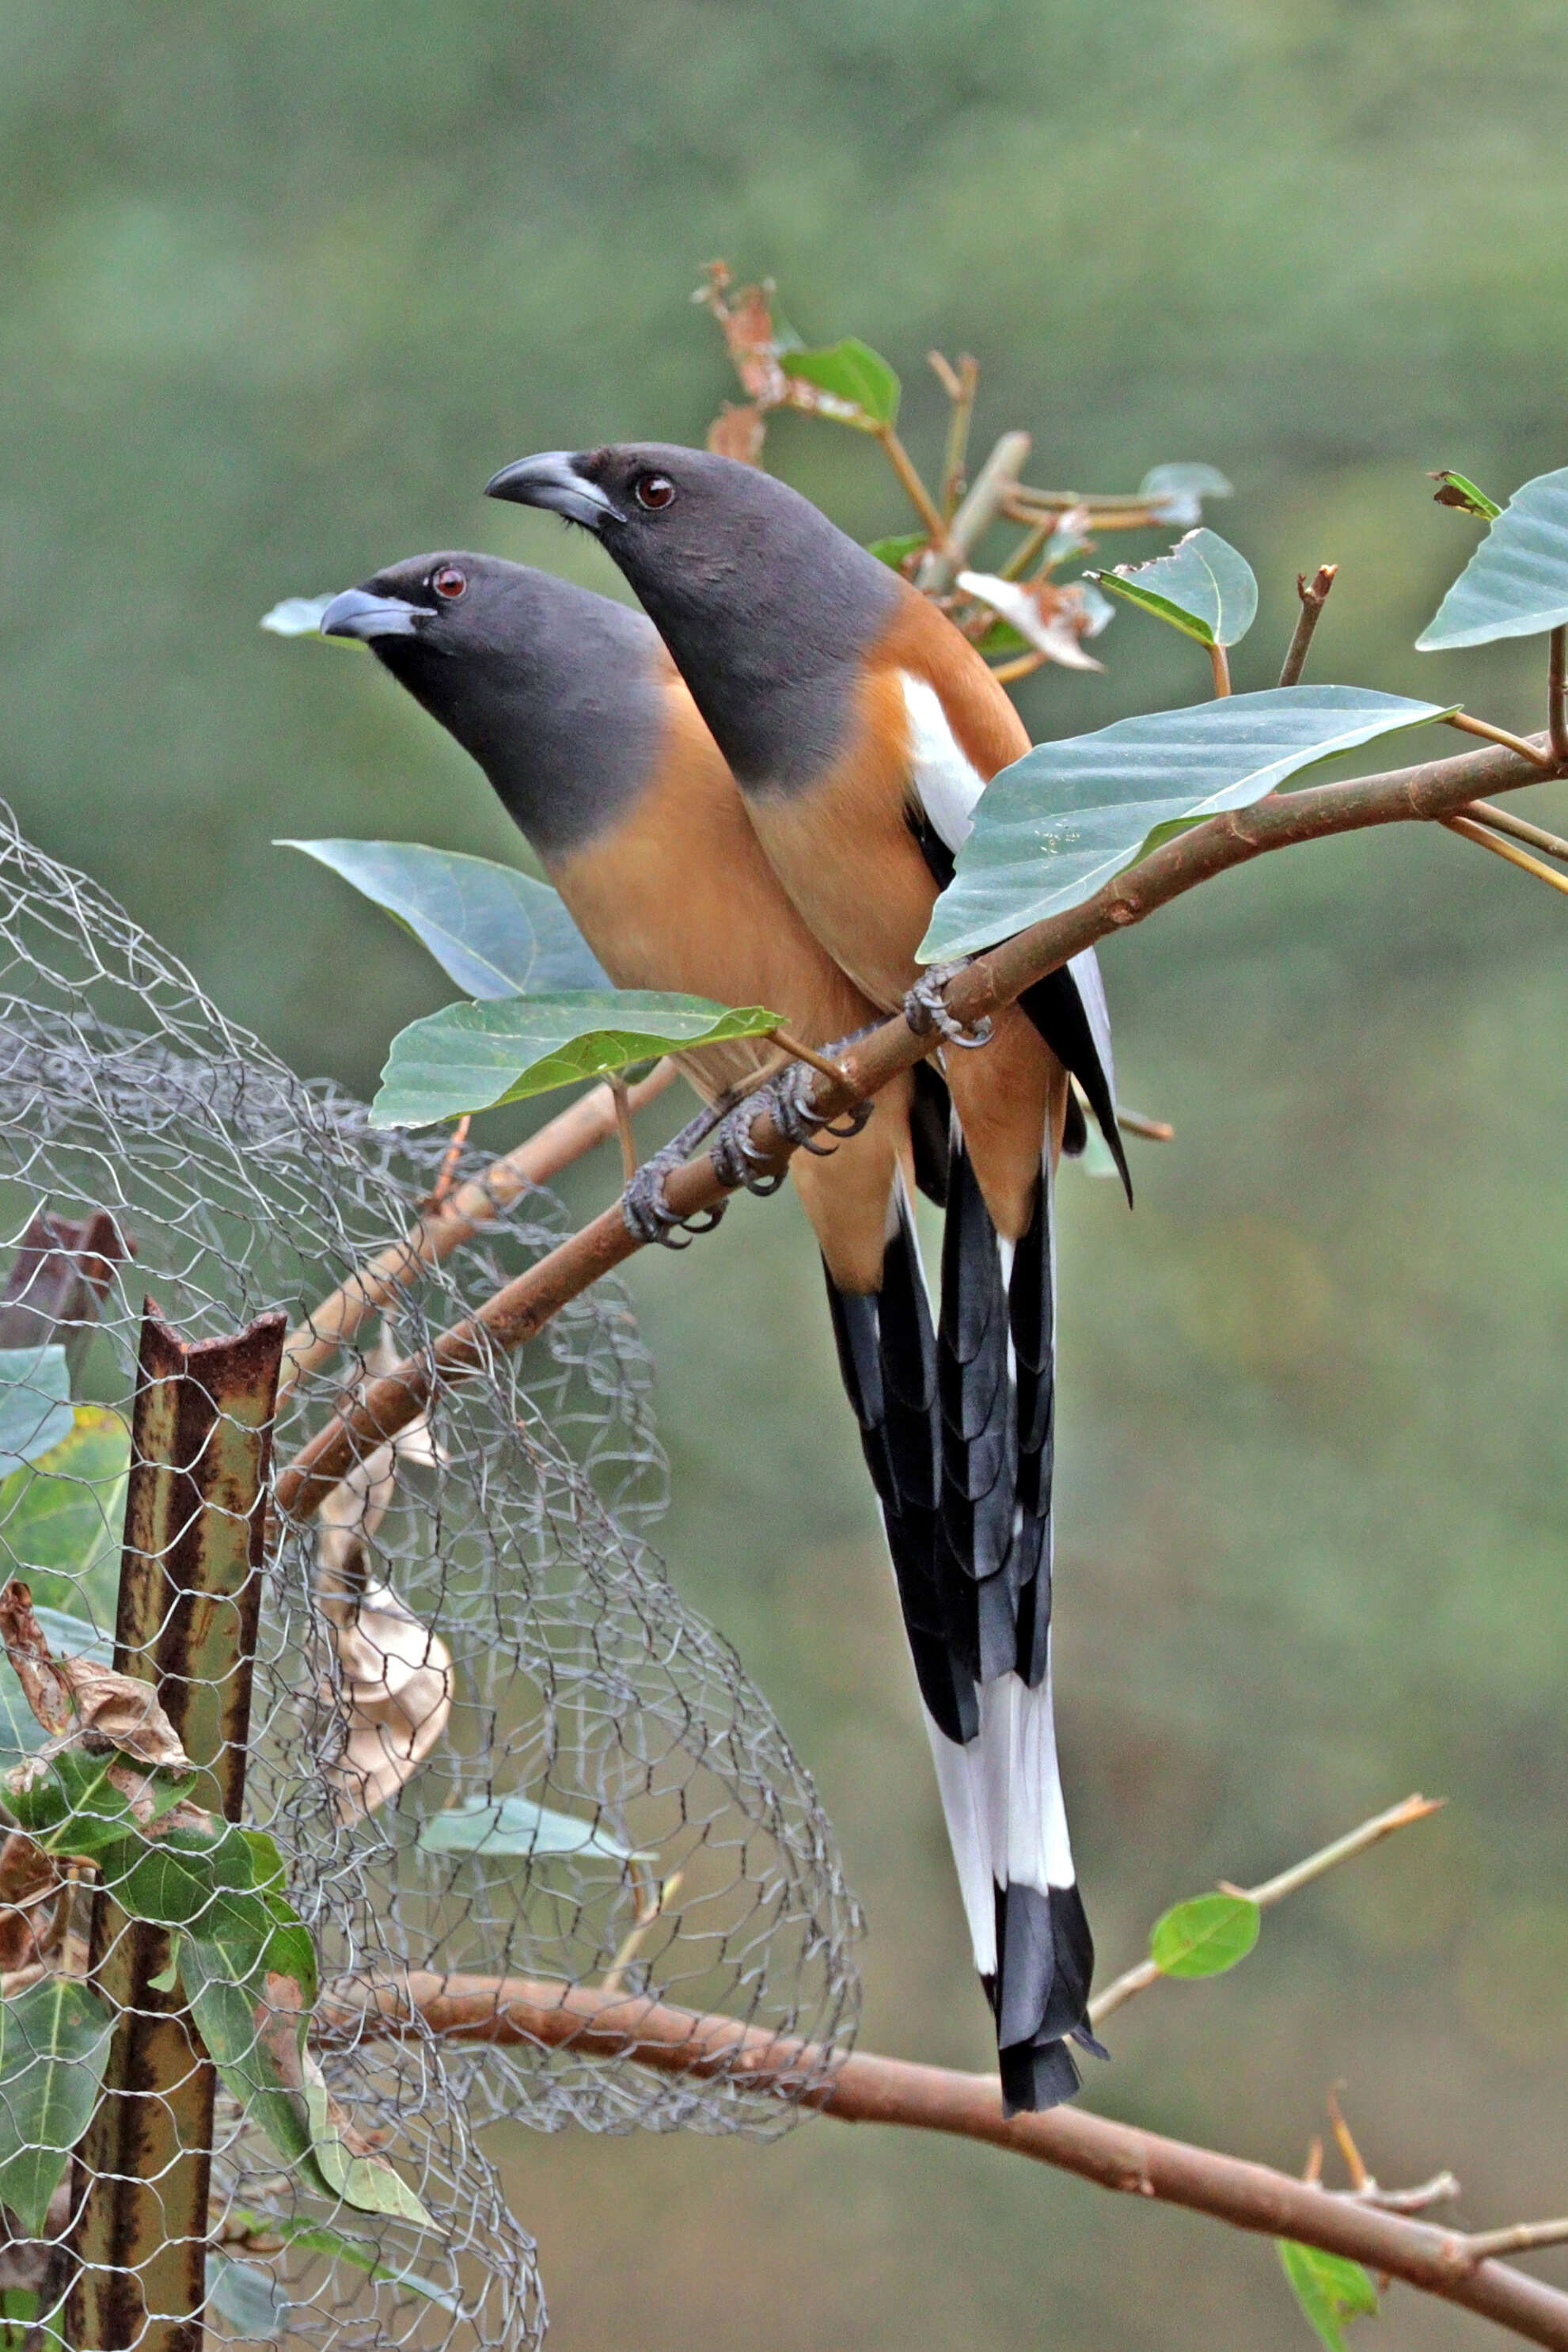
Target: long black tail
(957, 1437)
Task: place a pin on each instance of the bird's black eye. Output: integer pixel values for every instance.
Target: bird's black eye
(655, 490)
(449, 583)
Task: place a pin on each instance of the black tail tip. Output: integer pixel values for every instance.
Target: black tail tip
(1037, 2075)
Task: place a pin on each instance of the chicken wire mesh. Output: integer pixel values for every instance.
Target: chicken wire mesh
(489, 1739)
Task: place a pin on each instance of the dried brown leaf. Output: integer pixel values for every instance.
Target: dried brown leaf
(739, 433)
(124, 1711)
(45, 1687)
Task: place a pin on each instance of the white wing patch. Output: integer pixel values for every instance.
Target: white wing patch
(946, 778)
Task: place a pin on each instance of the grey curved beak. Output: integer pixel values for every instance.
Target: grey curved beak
(552, 481)
(359, 613)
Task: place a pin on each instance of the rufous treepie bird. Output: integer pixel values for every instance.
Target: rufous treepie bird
(862, 728)
(578, 716)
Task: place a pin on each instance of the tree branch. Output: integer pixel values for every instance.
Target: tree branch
(517, 1312)
(862, 2088)
(1313, 594)
(590, 1120)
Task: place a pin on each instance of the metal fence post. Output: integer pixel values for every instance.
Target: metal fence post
(190, 1594)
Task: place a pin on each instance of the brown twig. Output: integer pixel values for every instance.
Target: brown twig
(1274, 1890)
(1314, 595)
(1557, 693)
(1519, 857)
(919, 496)
(443, 1184)
(584, 1124)
(1007, 673)
(519, 1311)
(954, 541)
(863, 2088)
(1490, 734)
(960, 384)
(1219, 662)
(1153, 1130)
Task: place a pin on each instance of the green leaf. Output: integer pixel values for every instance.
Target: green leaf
(494, 931)
(186, 1876)
(300, 617)
(72, 1806)
(1062, 821)
(250, 2301)
(255, 2039)
(362, 2253)
(1516, 582)
(61, 1518)
(368, 2183)
(54, 2047)
(1205, 1936)
(517, 1826)
(1330, 2289)
(894, 551)
(853, 374)
(1203, 587)
(35, 1404)
(1454, 490)
(472, 1056)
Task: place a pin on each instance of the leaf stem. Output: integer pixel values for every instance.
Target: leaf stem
(1490, 734)
(1504, 821)
(621, 1095)
(1219, 661)
(1557, 693)
(1314, 595)
(1020, 665)
(803, 1053)
(1519, 857)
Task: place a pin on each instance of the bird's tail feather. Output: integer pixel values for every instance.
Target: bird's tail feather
(997, 1393)
(958, 1430)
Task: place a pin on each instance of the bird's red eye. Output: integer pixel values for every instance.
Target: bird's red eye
(450, 583)
(655, 490)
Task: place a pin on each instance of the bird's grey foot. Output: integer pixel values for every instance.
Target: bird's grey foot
(644, 1204)
(926, 1010)
(788, 1101)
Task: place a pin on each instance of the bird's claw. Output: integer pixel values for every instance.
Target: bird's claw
(788, 1101)
(925, 1009)
(644, 1204)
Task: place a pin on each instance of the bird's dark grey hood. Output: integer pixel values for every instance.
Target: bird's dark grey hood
(765, 604)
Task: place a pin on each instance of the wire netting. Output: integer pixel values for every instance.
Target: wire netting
(489, 1739)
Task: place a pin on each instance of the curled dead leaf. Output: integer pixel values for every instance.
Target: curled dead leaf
(44, 1686)
(396, 1686)
(1053, 619)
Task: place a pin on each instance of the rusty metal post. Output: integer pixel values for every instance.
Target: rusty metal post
(190, 1593)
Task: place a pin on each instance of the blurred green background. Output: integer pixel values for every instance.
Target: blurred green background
(282, 286)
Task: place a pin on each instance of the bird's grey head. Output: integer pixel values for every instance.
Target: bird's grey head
(764, 602)
(552, 689)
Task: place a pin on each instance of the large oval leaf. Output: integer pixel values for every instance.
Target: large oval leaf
(54, 2047)
(1060, 822)
(1205, 1936)
(1203, 587)
(62, 1516)
(1516, 582)
(35, 1404)
(494, 931)
(852, 374)
(470, 1057)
